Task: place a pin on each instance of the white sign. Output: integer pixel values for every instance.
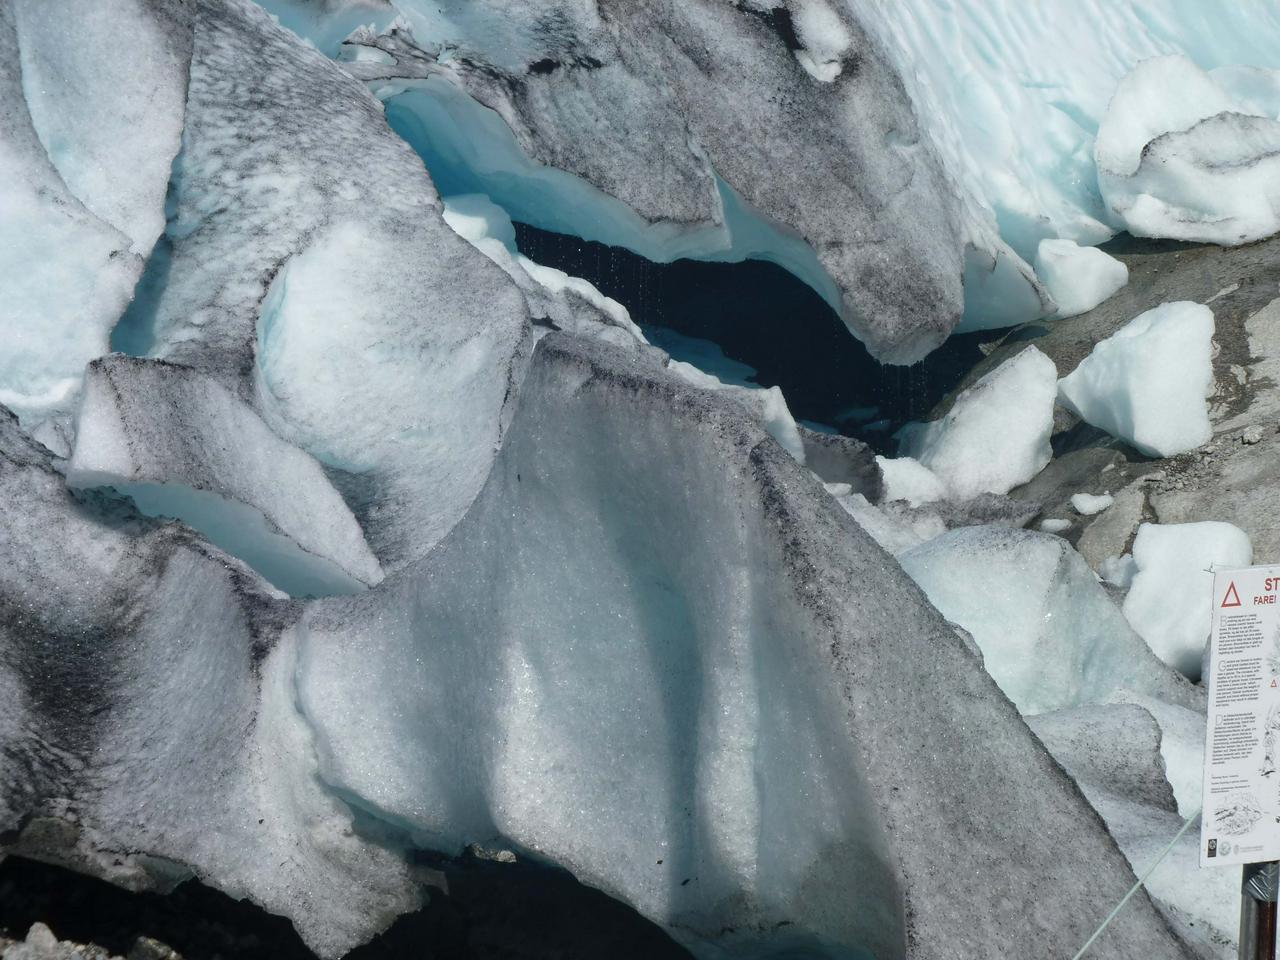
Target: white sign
(1241, 819)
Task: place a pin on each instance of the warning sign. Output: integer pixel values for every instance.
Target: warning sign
(1241, 820)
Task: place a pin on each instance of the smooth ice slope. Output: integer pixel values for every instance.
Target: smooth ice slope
(86, 139)
(1078, 278)
(1169, 603)
(681, 674)
(996, 434)
(180, 445)
(1147, 382)
(1049, 634)
(1179, 157)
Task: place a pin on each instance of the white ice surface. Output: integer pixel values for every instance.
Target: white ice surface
(1049, 634)
(1078, 278)
(1087, 504)
(996, 434)
(1054, 525)
(1147, 382)
(1169, 603)
(66, 274)
(1179, 157)
(910, 480)
(106, 87)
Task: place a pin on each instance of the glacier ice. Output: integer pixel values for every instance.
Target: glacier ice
(996, 434)
(1169, 602)
(86, 139)
(1078, 278)
(1087, 504)
(635, 620)
(1178, 157)
(311, 260)
(152, 732)
(179, 444)
(1147, 383)
(910, 480)
(1012, 94)
(1117, 754)
(641, 686)
(651, 638)
(578, 132)
(1049, 634)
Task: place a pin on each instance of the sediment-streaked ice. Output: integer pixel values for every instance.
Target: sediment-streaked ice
(181, 445)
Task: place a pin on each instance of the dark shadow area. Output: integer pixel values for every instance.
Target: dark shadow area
(760, 315)
(492, 910)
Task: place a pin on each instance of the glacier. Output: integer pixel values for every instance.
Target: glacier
(360, 529)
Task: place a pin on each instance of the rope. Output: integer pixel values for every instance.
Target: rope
(1134, 889)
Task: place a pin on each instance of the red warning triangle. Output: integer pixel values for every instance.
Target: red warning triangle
(1232, 599)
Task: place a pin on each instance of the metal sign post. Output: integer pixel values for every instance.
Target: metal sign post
(1258, 910)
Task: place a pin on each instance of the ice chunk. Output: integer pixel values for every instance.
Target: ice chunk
(996, 434)
(1078, 278)
(1177, 157)
(1111, 752)
(1054, 525)
(180, 445)
(1087, 504)
(1119, 571)
(1181, 747)
(909, 480)
(1159, 95)
(1169, 603)
(1147, 382)
(1049, 634)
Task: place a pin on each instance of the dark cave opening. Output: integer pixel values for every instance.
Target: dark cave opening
(758, 314)
(518, 911)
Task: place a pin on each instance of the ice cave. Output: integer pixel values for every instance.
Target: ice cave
(596, 479)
